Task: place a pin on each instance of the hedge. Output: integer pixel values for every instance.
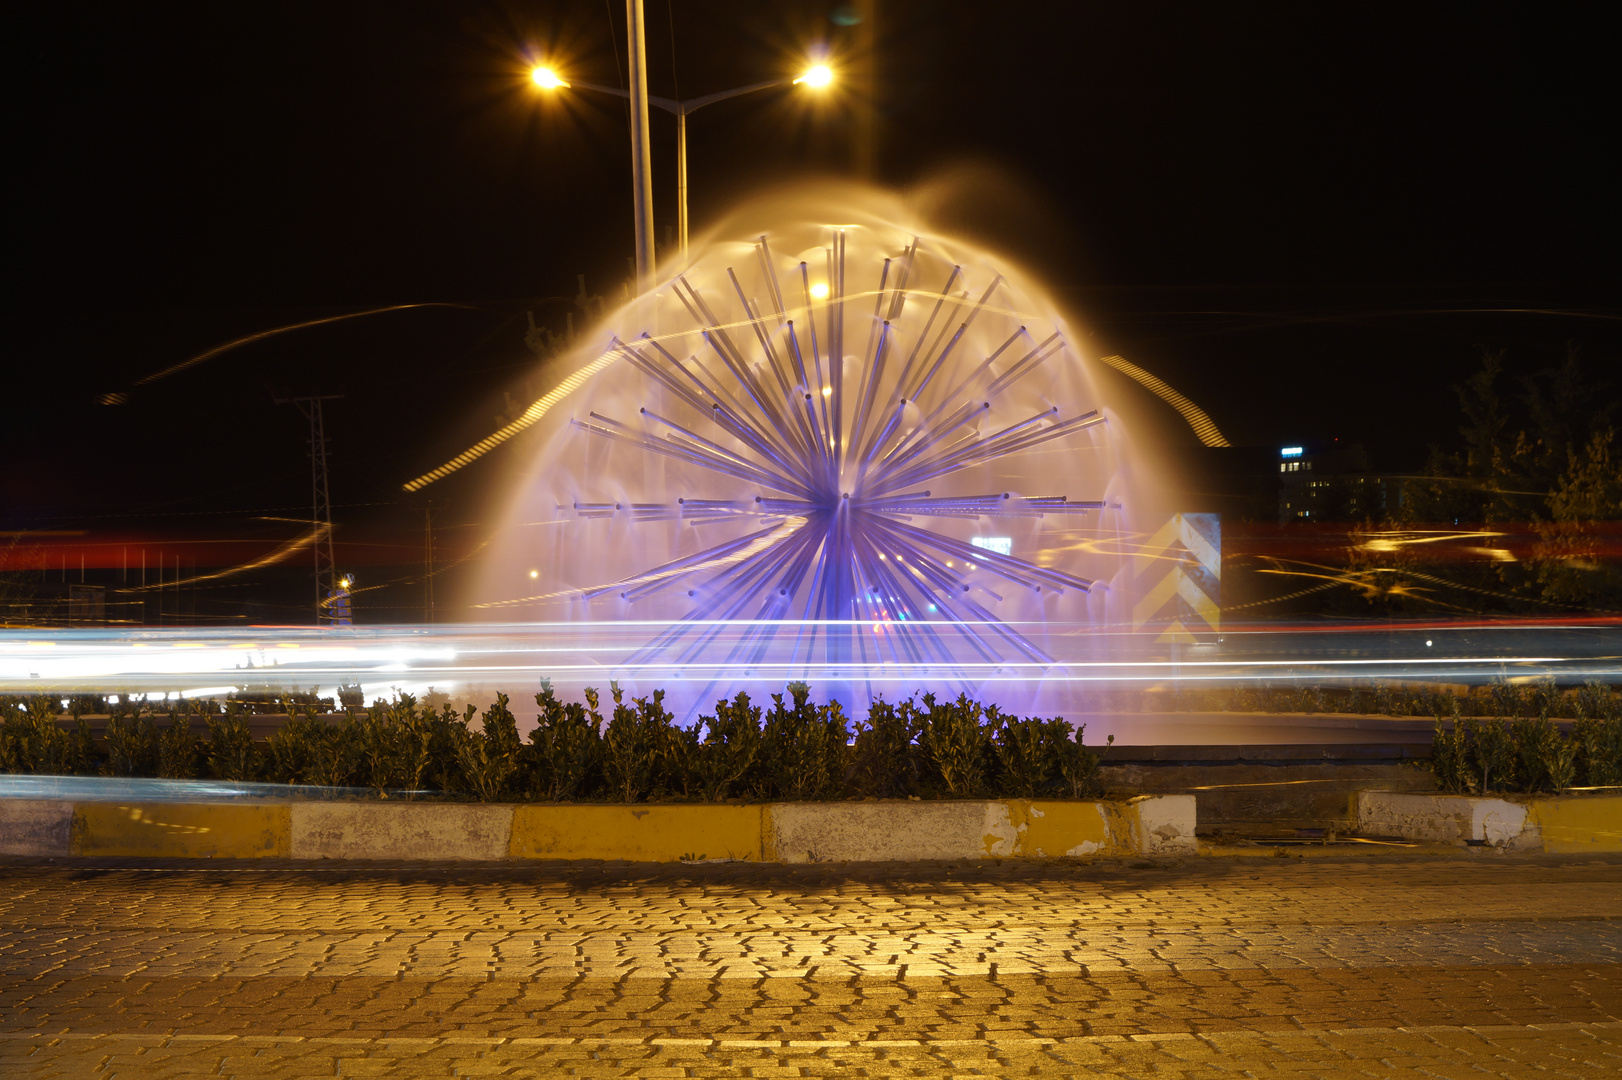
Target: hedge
(792, 750)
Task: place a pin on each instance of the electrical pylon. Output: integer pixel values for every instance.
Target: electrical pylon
(321, 499)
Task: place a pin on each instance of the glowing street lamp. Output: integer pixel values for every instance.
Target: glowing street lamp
(817, 77)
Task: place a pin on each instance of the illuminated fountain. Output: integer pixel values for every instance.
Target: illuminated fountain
(836, 452)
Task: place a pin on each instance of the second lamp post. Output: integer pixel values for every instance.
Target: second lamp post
(816, 77)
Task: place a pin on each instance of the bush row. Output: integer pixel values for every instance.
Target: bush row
(1502, 699)
(1527, 753)
(792, 750)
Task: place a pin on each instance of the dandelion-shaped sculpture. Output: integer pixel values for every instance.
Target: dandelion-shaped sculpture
(772, 491)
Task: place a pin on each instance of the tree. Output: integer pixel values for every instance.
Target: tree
(1585, 513)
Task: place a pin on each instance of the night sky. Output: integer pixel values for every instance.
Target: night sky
(1309, 218)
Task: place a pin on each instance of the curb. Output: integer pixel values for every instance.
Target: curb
(1554, 824)
(770, 832)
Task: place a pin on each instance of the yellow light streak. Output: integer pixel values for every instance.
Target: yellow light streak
(529, 417)
(292, 547)
(261, 335)
(1205, 428)
(1396, 540)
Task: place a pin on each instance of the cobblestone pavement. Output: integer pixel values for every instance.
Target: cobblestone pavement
(1210, 968)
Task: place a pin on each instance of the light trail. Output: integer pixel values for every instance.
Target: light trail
(248, 339)
(1203, 426)
(480, 659)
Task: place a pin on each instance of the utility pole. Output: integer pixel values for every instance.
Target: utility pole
(641, 144)
(325, 564)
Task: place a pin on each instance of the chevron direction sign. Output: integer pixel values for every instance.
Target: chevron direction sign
(1178, 579)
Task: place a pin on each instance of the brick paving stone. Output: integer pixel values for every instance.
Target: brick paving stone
(1208, 968)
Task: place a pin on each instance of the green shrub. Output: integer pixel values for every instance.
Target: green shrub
(1028, 751)
(488, 757)
(627, 749)
(956, 744)
(1596, 701)
(334, 751)
(803, 748)
(1493, 752)
(885, 754)
(81, 758)
(178, 748)
(726, 762)
(1546, 761)
(1451, 757)
(1503, 699)
(291, 748)
(676, 754)
(231, 752)
(1527, 754)
(1599, 750)
(132, 744)
(33, 741)
(399, 745)
(1078, 765)
(565, 748)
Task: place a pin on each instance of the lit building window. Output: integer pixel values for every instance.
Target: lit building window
(1290, 451)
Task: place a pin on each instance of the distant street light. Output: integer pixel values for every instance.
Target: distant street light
(818, 77)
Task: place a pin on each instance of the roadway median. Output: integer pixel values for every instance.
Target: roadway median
(854, 831)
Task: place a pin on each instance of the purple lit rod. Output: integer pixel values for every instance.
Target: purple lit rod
(832, 474)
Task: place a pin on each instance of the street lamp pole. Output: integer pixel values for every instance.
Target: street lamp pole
(682, 109)
(545, 78)
(681, 184)
(641, 145)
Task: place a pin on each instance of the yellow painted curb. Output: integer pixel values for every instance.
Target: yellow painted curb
(1049, 829)
(1578, 823)
(182, 830)
(649, 833)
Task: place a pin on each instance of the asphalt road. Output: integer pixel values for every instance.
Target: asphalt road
(1433, 967)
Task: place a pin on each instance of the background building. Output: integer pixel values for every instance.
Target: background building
(1333, 481)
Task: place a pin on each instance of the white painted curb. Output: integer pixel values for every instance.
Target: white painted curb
(35, 827)
(980, 829)
(1450, 819)
(879, 832)
(1165, 825)
(354, 830)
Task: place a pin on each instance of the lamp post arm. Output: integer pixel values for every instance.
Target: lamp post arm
(695, 104)
(668, 105)
(680, 108)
